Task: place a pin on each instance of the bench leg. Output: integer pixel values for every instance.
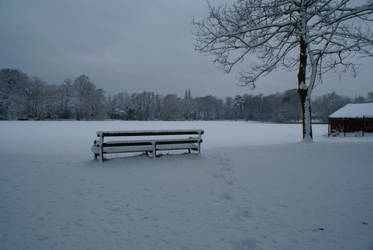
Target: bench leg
(101, 149)
(154, 150)
(189, 150)
(101, 155)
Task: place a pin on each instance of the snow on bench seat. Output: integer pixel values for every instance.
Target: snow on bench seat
(177, 146)
(149, 132)
(126, 149)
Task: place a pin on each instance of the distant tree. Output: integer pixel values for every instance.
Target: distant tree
(209, 108)
(138, 106)
(370, 97)
(36, 96)
(65, 100)
(14, 85)
(115, 106)
(290, 106)
(89, 102)
(257, 107)
(328, 104)
(238, 104)
(146, 105)
(52, 101)
(171, 108)
(189, 106)
(359, 99)
(311, 36)
(228, 109)
(131, 113)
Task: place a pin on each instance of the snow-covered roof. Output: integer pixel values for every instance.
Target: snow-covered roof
(357, 110)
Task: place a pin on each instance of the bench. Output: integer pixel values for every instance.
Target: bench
(147, 141)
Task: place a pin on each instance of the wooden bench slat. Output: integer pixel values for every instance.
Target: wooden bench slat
(149, 142)
(126, 143)
(150, 132)
(178, 141)
(177, 146)
(127, 149)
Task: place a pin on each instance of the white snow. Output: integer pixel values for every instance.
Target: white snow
(354, 110)
(254, 186)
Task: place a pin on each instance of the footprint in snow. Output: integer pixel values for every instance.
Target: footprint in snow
(229, 183)
(218, 175)
(243, 213)
(225, 197)
(226, 169)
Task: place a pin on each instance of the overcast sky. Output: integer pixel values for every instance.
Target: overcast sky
(134, 46)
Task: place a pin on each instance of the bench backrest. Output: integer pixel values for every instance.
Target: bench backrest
(102, 134)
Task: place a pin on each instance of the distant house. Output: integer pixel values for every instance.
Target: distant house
(352, 118)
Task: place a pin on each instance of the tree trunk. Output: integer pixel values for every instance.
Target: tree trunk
(303, 92)
(306, 114)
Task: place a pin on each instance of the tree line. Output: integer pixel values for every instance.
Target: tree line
(23, 98)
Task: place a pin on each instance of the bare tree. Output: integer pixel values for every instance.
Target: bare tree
(88, 100)
(13, 90)
(311, 36)
(171, 108)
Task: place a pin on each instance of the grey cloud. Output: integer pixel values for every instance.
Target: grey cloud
(127, 45)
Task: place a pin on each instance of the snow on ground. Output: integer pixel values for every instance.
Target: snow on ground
(255, 186)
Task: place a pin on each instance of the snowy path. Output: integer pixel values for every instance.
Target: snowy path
(236, 197)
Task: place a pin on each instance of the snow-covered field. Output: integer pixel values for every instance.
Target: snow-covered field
(254, 186)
